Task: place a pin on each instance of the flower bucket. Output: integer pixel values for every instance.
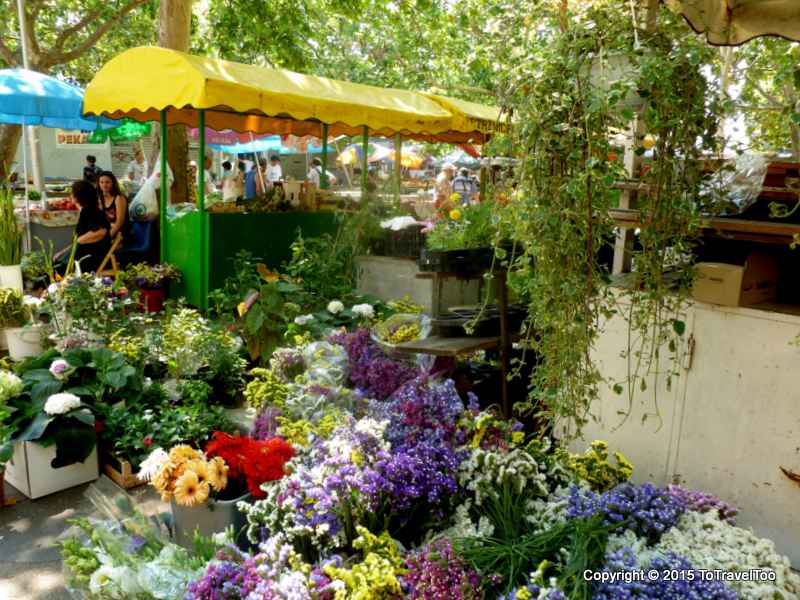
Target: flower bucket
(23, 342)
(214, 516)
(11, 276)
(152, 300)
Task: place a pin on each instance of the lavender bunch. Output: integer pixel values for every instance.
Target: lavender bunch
(658, 588)
(647, 510)
(703, 502)
(370, 369)
(436, 572)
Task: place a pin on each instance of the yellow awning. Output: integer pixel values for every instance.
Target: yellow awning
(471, 116)
(734, 22)
(140, 82)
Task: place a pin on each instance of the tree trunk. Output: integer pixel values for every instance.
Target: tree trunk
(9, 140)
(174, 29)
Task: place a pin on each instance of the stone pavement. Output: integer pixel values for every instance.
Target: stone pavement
(30, 567)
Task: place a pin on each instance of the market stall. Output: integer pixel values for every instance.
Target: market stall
(223, 95)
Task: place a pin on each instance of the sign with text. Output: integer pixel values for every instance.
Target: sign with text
(73, 138)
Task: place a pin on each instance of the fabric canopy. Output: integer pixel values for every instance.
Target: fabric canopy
(734, 22)
(31, 98)
(140, 82)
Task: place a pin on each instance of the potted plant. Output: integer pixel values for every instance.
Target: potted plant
(22, 338)
(10, 242)
(11, 386)
(204, 488)
(151, 281)
(50, 441)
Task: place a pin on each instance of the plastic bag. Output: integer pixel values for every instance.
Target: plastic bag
(401, 328)
(731, 191)
(144, 206)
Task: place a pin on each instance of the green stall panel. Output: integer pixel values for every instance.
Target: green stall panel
(184, 250)
(268, 236)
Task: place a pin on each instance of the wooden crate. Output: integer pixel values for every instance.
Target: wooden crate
(121, 473)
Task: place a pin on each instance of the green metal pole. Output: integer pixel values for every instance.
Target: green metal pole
(201, 207)
(323, 181)
(398, 166)
(364, 163)
(164, 192)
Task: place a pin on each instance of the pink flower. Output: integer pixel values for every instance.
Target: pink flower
(58, 367)
(148, 440)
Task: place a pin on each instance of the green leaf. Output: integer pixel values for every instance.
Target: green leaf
(618, 389)
(36, 428)
(679, 326)
(796, 118)
(84, 415)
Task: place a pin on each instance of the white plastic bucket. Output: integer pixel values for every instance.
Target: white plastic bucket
(11, 276)
(24, 342)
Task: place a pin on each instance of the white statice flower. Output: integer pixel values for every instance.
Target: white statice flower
(59, 404)
(303, 319)
(365, 311)
(150, 465)
(486, 471)
(335, 307)
(710, 543)
(11, 386)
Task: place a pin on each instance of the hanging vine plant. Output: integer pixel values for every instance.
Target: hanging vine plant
(581, 80)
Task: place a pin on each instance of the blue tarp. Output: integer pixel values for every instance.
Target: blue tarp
(264, 145)
(31, 98)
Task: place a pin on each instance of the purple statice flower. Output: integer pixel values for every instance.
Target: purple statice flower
(371, 371)
(436, 571)
(647, 510)
(223, 580)
(688, 585)
(266, 424)
(703, 502)
(425, 410)
(136, 543)
(415, 474)
(287, 363)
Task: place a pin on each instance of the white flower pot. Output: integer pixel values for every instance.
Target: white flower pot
(24, 342)
(11, 276)
(214, 516)
(30, 472)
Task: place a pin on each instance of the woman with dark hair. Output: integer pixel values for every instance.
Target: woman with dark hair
(113, 203)
(92, 229)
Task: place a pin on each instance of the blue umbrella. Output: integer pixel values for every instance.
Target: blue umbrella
(31, 98)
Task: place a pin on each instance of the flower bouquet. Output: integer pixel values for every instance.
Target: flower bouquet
(204, 488)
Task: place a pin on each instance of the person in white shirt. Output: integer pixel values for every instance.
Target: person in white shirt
(137, 171)
(232, 182)
(274, 171)
(315, 172)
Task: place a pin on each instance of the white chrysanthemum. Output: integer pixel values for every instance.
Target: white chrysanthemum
(303, 319)
(335, 307)
(150, 465)
(59, 404)
(364, 310)
(10, 386)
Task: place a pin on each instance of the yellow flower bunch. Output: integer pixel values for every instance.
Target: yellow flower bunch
(189, 477)
(593, 467)
(376, 577)
(265, 388)
(299, 432)
(406, 305)
(129, 346)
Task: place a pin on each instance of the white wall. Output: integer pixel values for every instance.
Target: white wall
(727, 425)
(64, 161)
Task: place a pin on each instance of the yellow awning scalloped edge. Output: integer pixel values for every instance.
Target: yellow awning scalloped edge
(141, 82)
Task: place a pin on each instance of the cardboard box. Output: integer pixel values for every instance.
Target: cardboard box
(30, 472)
(737, 285)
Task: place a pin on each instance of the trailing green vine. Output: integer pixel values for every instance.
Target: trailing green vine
(574, 91)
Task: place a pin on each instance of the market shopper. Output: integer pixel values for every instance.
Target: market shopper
(315, 173)
(232, 182)
(250, 178)
(92, 230)
(113, 204)
(274, 171)
(443, 187)
(137, 171)
(463, 186)
(91, 171)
